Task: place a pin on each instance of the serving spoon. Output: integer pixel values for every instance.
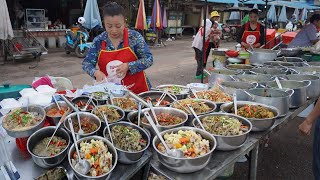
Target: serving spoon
(82, 166)
(55, 100)
(235, 103)
(139, 113)
(196, 116)
(108, 127)
(176, 153)
(153, 112)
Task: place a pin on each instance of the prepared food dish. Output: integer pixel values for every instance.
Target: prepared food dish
(112, 113)
(86, 125)
(100, 95)
(155, 101)
(254, 111)
(56, 146)
(214, 95)
(98, 155)
(224, 125)
(127, 138)
(188, 141)
(19, 120)
(126, 103)
(82, 104)
(54, 174)
(198, 106)
(175, 90)
(55, 112)
(153, 176)
(165, 119)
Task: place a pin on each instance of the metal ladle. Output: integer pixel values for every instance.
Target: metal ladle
(107, 125)
(82, 166)
(174, 152)
(55, 100)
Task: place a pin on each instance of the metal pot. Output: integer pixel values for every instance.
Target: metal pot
(182, 95)
(299, 96)
(313, 90)
(220, 75)
(156, 94)
(260, 79)
(219, 51)
(35, 138)
(127, 157)
(299, 62)
(186, 165)
(84, 99)
(260, 56)
(278, 64)
(290, 51)
(269, 71)
(55, 119)
(272, 97)
(228, 143)
(258, 124)
(240, 67)
(231, 87)
(311, 70)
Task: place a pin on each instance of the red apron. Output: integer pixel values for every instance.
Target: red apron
(124, 55)
(251, 37)
(206, 45)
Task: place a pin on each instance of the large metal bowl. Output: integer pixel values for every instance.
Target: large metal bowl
(313, 90)
(228, 143)
(299, 62)
(35, 138)
(261, 79)
(231, 87)
(182, 95)
(55, 119)
(278, 64)
(111, 149)
(311, 70)
(269, 71)
(240, 67)
(168, 110)
(85, 99)
(127, 111)
(27, 132)
(258, 124)
(127, 157)
(211, 105)
(92, 117)
(157, 94)
(186, 165)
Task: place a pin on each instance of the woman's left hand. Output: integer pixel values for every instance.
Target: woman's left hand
(122, 69)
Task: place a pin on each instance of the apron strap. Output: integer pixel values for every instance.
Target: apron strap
(103, 45)
(246, 26)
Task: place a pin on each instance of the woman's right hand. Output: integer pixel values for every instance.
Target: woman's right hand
(100, 76)
(305, 127)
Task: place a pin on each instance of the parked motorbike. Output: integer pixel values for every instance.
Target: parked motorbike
(228, 33)
(76, 41)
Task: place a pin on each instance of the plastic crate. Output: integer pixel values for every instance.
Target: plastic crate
(271, 42)
(288, 37)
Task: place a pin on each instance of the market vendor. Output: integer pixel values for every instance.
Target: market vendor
(119, 55)
(251, 33)
(307, 36)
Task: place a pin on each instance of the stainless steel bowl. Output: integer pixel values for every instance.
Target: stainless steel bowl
(84, 99)
(228, 143)
(127, 157)
(211, 105)
(55, 119)
(111, 149)
(186, 165)
(26, 133)
(261, 79)
(299, 62)
(157, 94)
(35, 138)
(127, 111)
(93, 118)
(182, 95)
(168, 110)
(278, 64)
(269, 71)
(240, 67)
(258, 124)
(231, 87)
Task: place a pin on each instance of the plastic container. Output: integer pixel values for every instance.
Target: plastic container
(11, 91)
(271, 34)
(288, 37)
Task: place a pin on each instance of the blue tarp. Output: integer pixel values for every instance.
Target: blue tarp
(304, 15)
(92, 15)
(283, 15)
(235, 15)
(299, 5)
(272, 16)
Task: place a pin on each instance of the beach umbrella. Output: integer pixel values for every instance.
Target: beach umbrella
(304, 14)
(283, 15)
(156, 20)
(141, 22)
(272, 14)
(164, 18)
(235, 15)
(92, 15)
(6, 31)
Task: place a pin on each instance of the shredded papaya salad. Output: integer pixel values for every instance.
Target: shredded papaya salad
(188, 141)
(96, 152)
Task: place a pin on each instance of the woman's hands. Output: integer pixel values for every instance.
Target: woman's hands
(100, 76)
(122, 69)
(305, 127)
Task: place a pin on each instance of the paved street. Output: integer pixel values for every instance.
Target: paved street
(288, 156)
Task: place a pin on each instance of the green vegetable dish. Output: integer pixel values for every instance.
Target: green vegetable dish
(19, 120)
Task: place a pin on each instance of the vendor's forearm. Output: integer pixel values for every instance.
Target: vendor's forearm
(315, 113)
(89, 68)
(257, 45)
(140, 64)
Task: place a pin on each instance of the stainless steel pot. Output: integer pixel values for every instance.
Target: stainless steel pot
(219, 51)
(156, 94)
(272, 97)
(220, 75)
(260, 56)
(35, 138)
(231, 87)
(258, 124)
(55, 119)
(290, 51)
(239, 67)
(127, 157)
(250, 78)
(299, 97)
(278, 64)
(186, 165)
(228, 143)
(269, 71)
(311, 70)
(299, 62)
(84, 99)
(179, 96)
(313, 90)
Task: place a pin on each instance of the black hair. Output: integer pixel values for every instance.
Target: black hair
(113, 9)
(315, 17)
(254, 11)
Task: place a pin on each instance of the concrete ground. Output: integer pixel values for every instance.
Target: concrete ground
(288, 156)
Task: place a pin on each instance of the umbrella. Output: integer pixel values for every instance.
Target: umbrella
(255, 6)
(92, 15)
(296, 12)
(156, 21)
(304, 14)
(202, 15)
(283, 15)
(164, 18)
(272, 14)
(141, 22)
(5, 23)
(235, 15)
